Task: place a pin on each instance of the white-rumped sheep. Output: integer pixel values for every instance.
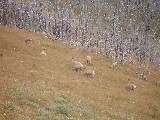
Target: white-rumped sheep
(89, 60)
(89, 73)
(130, 87)
(77, 65)
(43, 52)
(114, 65)
(28, 40)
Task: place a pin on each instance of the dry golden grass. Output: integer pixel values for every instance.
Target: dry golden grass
(34, 86)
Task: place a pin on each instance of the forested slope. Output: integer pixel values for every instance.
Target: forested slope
(125, 27)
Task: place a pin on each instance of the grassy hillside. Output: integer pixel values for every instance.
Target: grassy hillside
(39, 87)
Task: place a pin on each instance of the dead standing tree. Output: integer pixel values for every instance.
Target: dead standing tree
(126, 33)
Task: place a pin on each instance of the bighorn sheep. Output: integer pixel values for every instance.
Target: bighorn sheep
(114, 65)
(89, 73)
(77, 65)
(89, 59)
(43, 52)
(28, 40)
(130, 86)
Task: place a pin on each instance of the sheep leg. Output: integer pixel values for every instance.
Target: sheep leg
(87, 61)
(76, 69)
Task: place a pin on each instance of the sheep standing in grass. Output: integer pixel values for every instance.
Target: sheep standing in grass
(114, 65)
(28, 40)
(77, 65)
(43, 52)
(89, 73)
(89, 59)
(130, 86)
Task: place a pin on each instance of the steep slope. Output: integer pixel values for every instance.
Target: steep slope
(35, 86)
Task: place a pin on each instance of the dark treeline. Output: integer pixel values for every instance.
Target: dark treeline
(127, 27)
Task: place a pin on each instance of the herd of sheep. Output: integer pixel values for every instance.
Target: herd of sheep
(78, 66)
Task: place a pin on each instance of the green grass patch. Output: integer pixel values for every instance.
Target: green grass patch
(112, 115)
(19, 95)
(127, 117)
(61, 99)
(49, 44)
(62, 110)
(10, 106)
(42, 112)
(57, 118)
(50, 108)
(157, 94)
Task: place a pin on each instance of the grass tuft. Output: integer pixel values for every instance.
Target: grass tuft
(62, 110)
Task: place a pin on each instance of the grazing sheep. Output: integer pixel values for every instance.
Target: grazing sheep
(43, 52)
(114, 65)
(89, 73)
(130, 86)
(77, 65)
(89, 59)
(28, 40)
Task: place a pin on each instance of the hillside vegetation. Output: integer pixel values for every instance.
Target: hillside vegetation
(38, 87)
